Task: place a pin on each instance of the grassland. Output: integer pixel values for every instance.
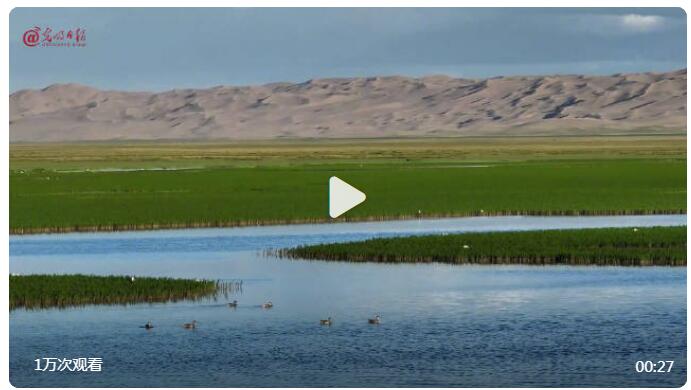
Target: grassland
(663, 246)
(87, 187)
(45, 291)
(79, 156)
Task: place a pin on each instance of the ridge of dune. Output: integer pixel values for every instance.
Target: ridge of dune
(363, 107)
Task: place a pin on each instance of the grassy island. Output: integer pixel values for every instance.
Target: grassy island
(44, 291)
(664, 246)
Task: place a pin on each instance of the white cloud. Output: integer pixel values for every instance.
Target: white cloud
(641, 23)
(619, 24)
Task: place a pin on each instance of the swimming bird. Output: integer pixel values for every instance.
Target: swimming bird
(233, 304)
(376, 320)
(190, 325)
(148, 325)
(267, 305)
(327, 322)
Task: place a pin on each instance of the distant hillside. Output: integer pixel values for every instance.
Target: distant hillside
(359, 107)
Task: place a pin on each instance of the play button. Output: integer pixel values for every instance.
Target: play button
(343, 197)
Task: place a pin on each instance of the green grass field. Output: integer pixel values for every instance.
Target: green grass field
(615, 246)
(44, 291)
(73, 187)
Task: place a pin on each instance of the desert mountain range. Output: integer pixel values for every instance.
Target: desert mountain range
(432, 106)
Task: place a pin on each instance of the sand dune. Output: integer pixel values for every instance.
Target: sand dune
(359, 107)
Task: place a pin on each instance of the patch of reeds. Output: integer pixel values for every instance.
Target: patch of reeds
(47, 291)
(656, 246)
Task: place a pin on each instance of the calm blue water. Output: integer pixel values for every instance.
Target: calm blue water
(441, 325)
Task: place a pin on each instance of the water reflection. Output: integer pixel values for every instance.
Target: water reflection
(442, 325)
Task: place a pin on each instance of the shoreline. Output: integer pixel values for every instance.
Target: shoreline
(269, 222)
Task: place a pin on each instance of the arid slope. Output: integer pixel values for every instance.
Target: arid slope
(434, 106)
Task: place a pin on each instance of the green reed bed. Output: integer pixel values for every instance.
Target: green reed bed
(45, 291)
(665, 246)
(57, 188)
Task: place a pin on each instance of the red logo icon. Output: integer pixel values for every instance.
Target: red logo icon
(47, 37)
(32, 37)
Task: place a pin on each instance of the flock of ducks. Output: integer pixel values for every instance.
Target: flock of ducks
(374, 321)
(266, 305)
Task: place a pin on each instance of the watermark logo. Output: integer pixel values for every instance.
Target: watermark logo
(47, 37)
(31, 37)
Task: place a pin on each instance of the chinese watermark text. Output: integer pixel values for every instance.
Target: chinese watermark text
(48, 37)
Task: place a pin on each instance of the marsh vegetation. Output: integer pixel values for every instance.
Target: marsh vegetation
(46, 291)
(105, 187)
(663, 246)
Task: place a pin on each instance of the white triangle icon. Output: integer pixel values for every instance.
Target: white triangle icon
(343, 197)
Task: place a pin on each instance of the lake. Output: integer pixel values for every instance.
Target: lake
(442, 325)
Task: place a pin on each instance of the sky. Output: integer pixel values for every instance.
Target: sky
(158, 49)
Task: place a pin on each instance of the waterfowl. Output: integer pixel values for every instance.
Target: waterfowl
(190, 325)
(267, 305)
(327, 322)
(376, 320)
(233, 304)
(148, 325)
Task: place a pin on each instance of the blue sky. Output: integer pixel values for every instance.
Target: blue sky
(166, 48)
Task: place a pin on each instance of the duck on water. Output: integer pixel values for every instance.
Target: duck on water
(326, 322)
(190, 325)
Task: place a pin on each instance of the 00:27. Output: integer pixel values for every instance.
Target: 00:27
(649, 366)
